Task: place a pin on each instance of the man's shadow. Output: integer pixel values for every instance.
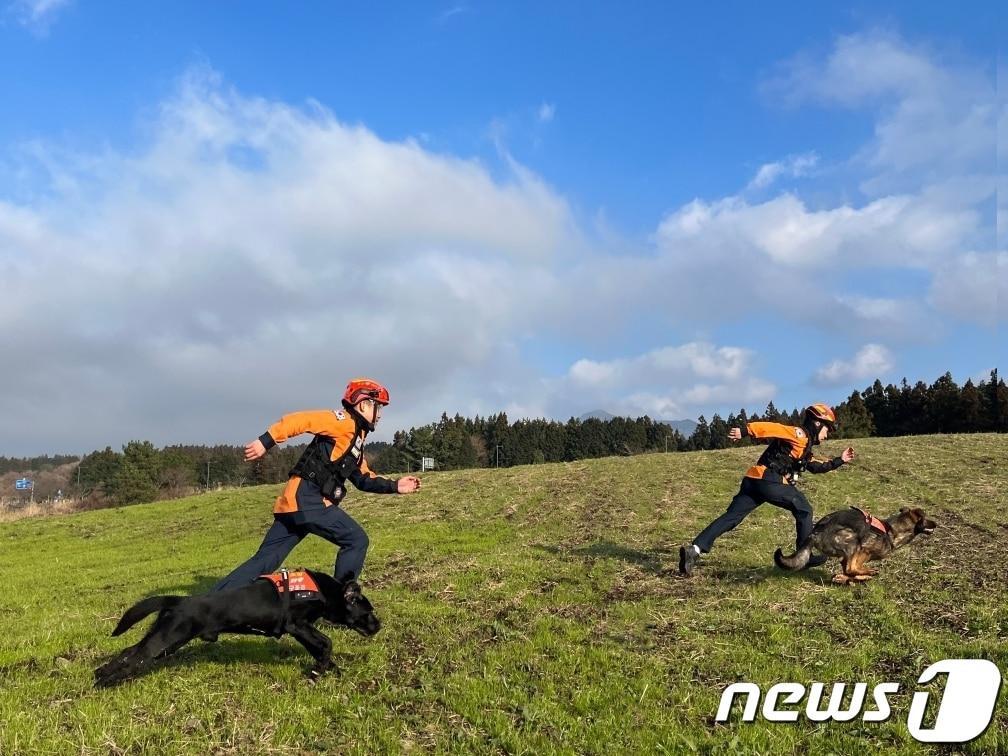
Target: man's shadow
(663, 561)
(199, 584)
(646, 561)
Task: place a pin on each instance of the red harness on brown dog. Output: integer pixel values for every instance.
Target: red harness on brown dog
(876, 524)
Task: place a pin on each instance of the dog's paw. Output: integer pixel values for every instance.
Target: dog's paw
(105, 678)
(315, 673)
(313, 676)
(841, 579)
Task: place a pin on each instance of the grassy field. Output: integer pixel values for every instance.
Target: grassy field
(526, 610)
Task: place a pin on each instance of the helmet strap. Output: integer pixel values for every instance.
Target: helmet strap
(812, 426)
(352, 409)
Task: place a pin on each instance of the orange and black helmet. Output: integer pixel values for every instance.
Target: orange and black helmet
(821, 412)
(365, 388)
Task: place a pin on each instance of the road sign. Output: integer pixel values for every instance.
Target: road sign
(24, 484)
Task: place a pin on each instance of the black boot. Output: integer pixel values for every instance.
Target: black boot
(688, 558)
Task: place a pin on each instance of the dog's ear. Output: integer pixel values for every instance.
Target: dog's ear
(351, 590)
(904, 510)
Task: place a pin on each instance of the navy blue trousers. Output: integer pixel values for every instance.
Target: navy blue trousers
(332, 523)
(751, 494)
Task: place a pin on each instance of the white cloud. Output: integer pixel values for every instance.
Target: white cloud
(871, 361)
(669, 382)
(973, 288)
(453, 11)
(37, 15)
(899, 319)
(927, 176)
(1001, 210)
(546, 112)
(794, 166)
(696, 359)
(256, 255)
(933, 117)
(901, 229)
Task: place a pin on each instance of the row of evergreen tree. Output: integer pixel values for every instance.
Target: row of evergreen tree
(141, 472)
(458, 442)
(43, 462)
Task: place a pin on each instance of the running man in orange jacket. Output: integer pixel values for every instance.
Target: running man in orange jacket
(772, 479)
(317, 484)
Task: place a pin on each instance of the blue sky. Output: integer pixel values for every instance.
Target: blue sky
(214, 213)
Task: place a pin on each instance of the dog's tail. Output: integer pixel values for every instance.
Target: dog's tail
(796, 561)
(141, 609)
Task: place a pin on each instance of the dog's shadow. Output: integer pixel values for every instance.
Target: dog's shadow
(753, 575)
(249, 650)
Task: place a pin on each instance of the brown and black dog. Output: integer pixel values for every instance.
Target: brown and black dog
(255, 609)
(857, 538)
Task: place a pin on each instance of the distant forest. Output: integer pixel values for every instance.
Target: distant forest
(142, 473)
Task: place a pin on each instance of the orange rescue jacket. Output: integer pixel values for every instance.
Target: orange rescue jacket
(339, 427)
(789, 452)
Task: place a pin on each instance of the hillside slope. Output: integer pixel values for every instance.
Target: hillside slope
(528, 609)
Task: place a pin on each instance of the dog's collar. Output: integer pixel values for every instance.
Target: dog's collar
(874, 522)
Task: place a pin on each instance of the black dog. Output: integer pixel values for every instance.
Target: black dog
(260, 608)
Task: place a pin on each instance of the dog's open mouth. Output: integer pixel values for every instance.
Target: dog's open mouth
(929, 529)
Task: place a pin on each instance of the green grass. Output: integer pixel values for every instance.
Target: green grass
(525, 610)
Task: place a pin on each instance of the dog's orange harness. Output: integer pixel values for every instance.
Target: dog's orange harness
(298, 584)
(301, 584)
(880, 525)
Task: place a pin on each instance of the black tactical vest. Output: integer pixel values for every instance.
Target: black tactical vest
(330, 476)
(777, 457)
